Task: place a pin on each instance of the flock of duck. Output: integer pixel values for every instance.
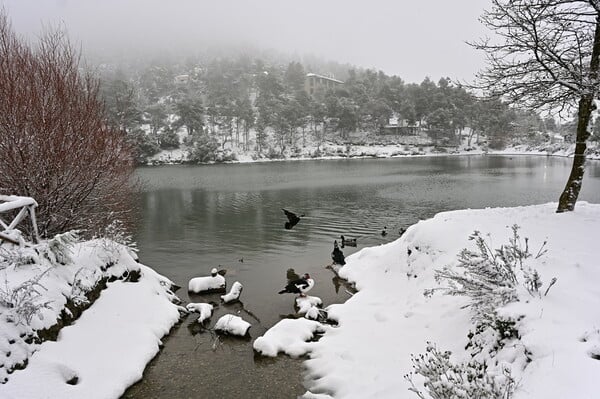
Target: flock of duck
(299, 286)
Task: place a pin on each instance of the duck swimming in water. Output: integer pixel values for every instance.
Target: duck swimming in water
(384, 232)
(300, 286)
(348, 242)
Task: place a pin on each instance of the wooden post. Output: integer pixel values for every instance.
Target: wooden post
(36, 234)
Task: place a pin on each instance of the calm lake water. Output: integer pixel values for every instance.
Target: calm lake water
(199, 217)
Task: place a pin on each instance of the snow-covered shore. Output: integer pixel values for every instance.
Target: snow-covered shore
(340, 151)
(557, 352)
(102, 352)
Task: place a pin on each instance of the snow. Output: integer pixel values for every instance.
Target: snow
(389, 318)
(107, 348)
(14, 202)
(288, 336)
(205, 310)
(234, 293)
(233, 325)
(306, 303)
(174, 156)
(202, 284)
(310, 395)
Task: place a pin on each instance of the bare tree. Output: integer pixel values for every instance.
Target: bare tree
(546, 56)
(55, 144)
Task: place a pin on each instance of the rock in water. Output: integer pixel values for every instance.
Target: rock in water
(234, 293)
(213, 283)
(232, 325)
(205, 310)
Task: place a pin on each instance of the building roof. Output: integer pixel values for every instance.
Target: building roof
(323, 77)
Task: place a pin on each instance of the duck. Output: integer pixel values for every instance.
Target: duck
(402, 231)
(384, 232)
(299, 286)
(293, 219)
(348, 242)
(337, 255)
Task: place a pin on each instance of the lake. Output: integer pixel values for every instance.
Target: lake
(230, 216)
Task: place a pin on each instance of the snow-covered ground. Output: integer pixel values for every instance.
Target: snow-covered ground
(384, 147)
(556, 354)
(106, 349)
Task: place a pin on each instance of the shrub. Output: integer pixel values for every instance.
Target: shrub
(55, 143)
(25, 300)
(113, 238)
(489, 276)
(203, 147)
(58, 250)
(144, 145)
(168, 140)
(447, 380)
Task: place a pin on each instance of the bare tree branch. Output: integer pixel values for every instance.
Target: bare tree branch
(55, 143)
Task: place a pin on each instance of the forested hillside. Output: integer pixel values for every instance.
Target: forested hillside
(215, 108)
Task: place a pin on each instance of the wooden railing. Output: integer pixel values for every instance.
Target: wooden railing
(27, 206)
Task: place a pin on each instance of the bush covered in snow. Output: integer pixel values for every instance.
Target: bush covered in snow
(24, 301)
(444, 379)
(489, 277)
(113, 238)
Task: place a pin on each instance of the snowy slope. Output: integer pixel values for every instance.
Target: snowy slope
(389, 318)
(107, 348)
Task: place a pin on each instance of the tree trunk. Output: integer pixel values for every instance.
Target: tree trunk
(568, 198)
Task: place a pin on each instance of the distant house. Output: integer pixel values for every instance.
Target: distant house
(397, 126)
(318, 83)
(182, 79)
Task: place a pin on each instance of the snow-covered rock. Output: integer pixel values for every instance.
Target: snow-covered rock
(233, 325)
(212, 283)
(288, 336)
(234, 293)
(205, 310)
(313, 313)
(305, 303)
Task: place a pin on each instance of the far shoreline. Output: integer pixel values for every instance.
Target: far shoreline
(506, 152)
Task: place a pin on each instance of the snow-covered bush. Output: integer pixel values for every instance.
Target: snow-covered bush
(117, 233)
(16, 256)
(485, 341)
(444, 379)
(114, 237)
(489, 277)
(203, 147)
(25, 300)
(84, 281)
(58, 250)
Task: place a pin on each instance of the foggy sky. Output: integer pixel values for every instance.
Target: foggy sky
(409, 38)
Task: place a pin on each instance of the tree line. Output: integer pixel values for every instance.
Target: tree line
(219, 102)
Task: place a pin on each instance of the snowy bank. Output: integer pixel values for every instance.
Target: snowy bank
(105, 349)
(288, 336)
(555, 352)
(408, 146)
